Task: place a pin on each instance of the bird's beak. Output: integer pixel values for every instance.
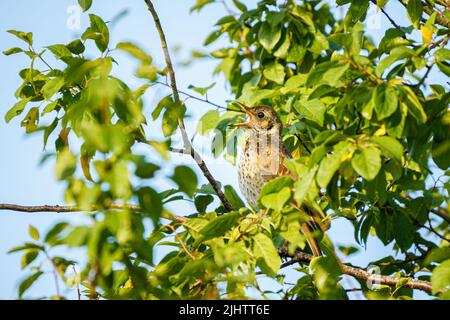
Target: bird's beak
(249, 114)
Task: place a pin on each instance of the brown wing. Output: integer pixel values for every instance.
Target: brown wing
(272, 162)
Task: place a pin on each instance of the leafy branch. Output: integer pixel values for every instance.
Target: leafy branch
(187, 143)
(298, 256)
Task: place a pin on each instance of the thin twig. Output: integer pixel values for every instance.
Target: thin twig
(40, 57)
(173, 85)
(54, 272)
(422, 80)
(387, 15)
(196, 98)
(183, 246)
(77, 284)
(432, 230)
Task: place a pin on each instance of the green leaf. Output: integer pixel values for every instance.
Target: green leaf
(208, 121)
(51, 87)
(146, 170)
(331, 163)
(442, 54)
(16, 109)
(200, 4)
(202, 201)
(275, 72)
(85, 4)
(50, 107)
(76, 46)
(27, 245)
(65, 164)
(135, 51)
(396, 54)
(274, 185)
(266, 254)
(28, 282)
(170, 118)
(328, 73)
(202, 90)
(303, 185)
(77, 237)
(444, 67)
(242, 7)
(147, 71)
(269, 36)
(119, 181)
(415, 108)
(386, 101)
(30, 122)
(233, 197)
(163, 103)
(348, 250)
(327, 274)
(151, 202)
(390, 147)
(313, 110)
(294, 83)
(276, 201)
(437, 255)
(367, 162)
(414, 9)
(12, 51)
(440, 278)
(59, 51)
(404, 231)
(219, 226)
(186, 179)
(28, 257)
(51, 236)
(33, 232)
(358, 9)
(98, 31)
(25, 36)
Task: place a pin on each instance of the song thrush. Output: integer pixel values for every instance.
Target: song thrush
(263, 157)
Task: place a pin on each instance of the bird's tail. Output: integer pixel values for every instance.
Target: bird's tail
(312, 242)
(310, 228)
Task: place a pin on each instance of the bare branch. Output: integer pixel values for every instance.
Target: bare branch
(65, 209)
(360, 273)
(173, 85)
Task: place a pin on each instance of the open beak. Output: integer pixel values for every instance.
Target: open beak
(249, 114)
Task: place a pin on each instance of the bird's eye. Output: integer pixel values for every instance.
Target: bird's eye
(260, 114)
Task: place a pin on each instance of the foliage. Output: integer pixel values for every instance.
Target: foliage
(370, 134)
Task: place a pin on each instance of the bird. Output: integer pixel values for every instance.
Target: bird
(263, 159)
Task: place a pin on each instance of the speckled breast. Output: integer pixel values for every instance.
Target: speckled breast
(250, 177)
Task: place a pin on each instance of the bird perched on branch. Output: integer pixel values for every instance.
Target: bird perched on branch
(263, 158)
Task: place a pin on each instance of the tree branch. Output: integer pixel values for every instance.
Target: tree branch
(387, 15)
(186, 141)
(360, 273)
(65, 209)
(440, 19)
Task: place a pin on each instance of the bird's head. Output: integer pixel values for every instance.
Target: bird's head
(260, 119)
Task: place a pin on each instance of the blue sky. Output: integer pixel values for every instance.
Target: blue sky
(23, 181)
